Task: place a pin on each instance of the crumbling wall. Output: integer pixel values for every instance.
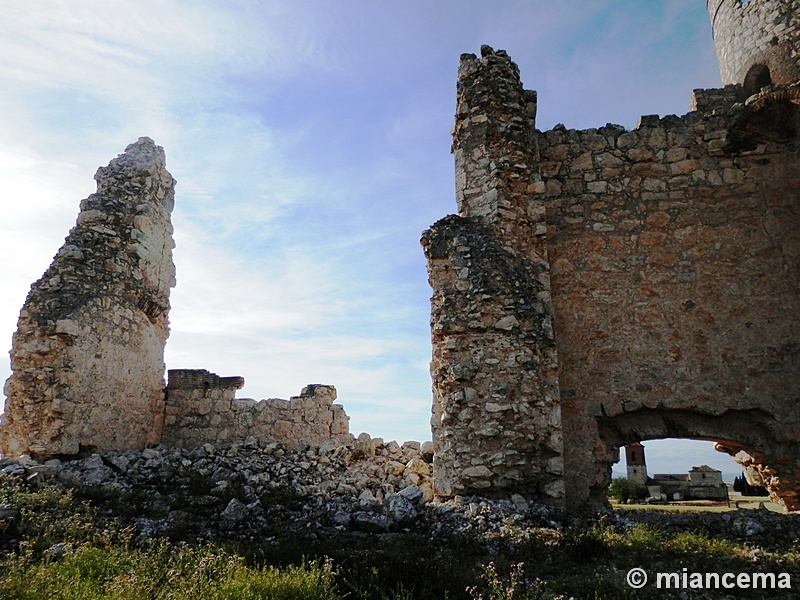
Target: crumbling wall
(668, 258)
(201, 407)
(88, 355)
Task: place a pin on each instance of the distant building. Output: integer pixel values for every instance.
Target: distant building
(701, 483)
(634, 457)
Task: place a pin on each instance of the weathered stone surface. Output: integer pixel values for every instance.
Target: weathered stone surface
(496, 415)
(236, 487)
(88, 355)
(87, 361)
(652, 293)
(235, 511)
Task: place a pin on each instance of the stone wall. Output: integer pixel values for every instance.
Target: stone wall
(201, 408)
(752, 34)
(674, 272)
(88, 355)
(668, 258)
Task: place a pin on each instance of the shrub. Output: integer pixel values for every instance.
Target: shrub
(623, 489)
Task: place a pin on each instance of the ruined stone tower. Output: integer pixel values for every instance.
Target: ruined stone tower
(88, 355)
(603, 287)
(757, 41)
(496, 416)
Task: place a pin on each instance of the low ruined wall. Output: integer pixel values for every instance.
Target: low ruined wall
(201, 407)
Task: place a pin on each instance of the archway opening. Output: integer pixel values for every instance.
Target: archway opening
(758, 77)
(684, 472)
(749, 436)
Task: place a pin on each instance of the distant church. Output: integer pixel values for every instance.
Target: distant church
(701, 483)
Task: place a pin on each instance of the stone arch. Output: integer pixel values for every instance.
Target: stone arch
(748, 436)
(757, 78)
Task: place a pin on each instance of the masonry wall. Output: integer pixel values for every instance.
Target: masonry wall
(675, 284)
(201, 408)
(668, 259)
(496, 415)
(88, 355)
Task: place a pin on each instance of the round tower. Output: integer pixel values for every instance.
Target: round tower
(757, 41)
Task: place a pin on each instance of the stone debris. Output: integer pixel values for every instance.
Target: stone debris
(366, 485)
(261, 495)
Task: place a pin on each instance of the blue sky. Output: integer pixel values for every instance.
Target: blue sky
(310, 140)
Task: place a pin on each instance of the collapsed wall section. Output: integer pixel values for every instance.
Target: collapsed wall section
(201, 408)
(88, 355)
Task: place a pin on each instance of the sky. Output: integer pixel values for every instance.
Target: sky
(310, 141)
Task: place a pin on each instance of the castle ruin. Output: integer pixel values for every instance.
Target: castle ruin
(87, 359)
(598, 288)
(604, 287)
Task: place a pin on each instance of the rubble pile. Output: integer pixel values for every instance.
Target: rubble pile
(369, 485)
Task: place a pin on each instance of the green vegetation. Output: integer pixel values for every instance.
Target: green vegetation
(53, 545)
(623, 490)
(157, 570)
(741, 485)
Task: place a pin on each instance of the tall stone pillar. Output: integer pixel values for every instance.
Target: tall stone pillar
(496, 416)
(88, 355)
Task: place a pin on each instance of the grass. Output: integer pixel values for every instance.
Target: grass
(54, 545)
(158, 571)
(736, 503)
